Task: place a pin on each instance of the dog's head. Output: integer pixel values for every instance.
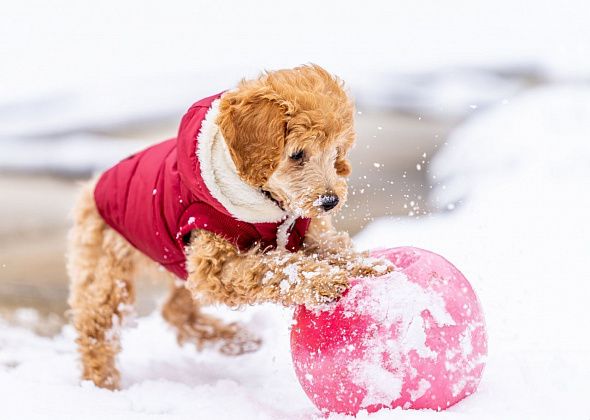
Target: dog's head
(288, 133)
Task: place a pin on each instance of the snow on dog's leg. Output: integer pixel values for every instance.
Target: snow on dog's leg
(336, 248)
(100, 267)
(220, 273)
(192, 325)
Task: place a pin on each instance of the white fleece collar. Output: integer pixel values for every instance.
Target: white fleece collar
(220, 175)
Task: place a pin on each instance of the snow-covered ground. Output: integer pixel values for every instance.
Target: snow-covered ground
(513, 188)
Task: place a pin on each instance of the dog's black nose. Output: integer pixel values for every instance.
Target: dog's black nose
(328, 202)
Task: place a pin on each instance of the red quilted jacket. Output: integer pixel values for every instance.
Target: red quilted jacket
(156, 197)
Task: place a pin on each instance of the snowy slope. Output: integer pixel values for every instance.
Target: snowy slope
(520, 234)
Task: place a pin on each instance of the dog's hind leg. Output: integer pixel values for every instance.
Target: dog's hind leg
(192, 325)
(101, 268)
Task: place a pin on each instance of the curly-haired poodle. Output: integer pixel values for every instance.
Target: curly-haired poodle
(238, 205)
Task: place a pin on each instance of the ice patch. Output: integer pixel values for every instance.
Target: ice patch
(284, 286)
(382, 386)
(292, 273)
(415, 338)
(380, 268)
(267, 277)
(309, 274)
(466, 344)
(419, 392)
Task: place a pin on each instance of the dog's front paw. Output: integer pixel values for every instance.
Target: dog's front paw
(327, 287)
(358, 264)
(308, 282)
(363, 265)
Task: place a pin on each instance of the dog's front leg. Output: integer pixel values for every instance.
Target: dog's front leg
(336, 248)
(220, 273)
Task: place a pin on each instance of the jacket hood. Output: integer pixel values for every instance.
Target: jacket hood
(206, 168)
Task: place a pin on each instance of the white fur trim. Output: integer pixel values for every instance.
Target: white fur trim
(220, 175)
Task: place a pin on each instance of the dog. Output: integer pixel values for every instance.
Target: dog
(238, 206)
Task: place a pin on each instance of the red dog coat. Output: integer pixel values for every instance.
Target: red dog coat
(156, 197)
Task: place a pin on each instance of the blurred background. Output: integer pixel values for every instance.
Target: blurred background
(83, 84)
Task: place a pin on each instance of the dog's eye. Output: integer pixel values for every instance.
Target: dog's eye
(298, 156)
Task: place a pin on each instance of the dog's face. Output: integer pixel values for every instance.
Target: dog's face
(288, 133)
(306, 181)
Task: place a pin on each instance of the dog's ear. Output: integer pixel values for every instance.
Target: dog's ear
(342, 164)
(254, 125)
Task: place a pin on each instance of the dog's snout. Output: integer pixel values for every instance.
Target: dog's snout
(328, 202)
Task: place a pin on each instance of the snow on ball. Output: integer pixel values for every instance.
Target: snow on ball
(413, 338)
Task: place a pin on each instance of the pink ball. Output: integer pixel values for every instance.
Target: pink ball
(413, 338)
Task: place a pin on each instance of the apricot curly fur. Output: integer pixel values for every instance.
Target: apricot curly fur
(263, 121)
(101, 267)
(182, 311)
(219, 273)
(300, 107)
